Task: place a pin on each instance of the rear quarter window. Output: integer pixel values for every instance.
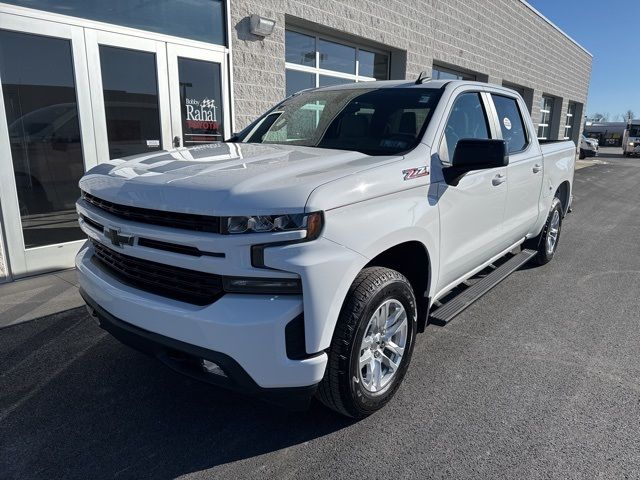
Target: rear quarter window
(511, 123)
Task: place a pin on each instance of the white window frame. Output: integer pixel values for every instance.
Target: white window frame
(569, 119)
(547, 111)
(317, 71)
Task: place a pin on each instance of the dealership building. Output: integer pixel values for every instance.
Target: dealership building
(85, 81)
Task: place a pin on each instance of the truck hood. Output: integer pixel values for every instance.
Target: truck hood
(225, 178)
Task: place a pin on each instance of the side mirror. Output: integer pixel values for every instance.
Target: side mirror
(475, 154)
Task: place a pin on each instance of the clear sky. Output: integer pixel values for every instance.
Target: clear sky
(610, 31)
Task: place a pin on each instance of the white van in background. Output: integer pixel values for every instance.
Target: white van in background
(631, 139)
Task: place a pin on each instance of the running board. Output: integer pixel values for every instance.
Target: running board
(445, 313)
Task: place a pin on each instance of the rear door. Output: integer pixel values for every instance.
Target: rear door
(525, 167)
(471, 213)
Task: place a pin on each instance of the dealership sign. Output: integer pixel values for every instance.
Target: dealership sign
(201, 114)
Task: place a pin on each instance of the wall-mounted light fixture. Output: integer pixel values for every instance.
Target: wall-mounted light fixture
(261, 26)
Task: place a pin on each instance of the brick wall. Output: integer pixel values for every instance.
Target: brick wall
(500, 39)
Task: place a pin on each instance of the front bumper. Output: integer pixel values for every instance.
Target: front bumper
(632, 150)
(247, 331)
(187, 360)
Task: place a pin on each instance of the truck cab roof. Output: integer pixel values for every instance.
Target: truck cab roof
(430, 84)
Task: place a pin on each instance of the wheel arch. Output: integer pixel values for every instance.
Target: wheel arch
(411, 259)
(563, 193)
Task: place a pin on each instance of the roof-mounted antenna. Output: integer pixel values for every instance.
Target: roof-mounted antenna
(422, 78)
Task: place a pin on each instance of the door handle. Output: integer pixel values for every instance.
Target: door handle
(499, 179)
(537, 168)
(176, 142)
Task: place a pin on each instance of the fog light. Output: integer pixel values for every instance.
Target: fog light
(258, 286)
(211, 367)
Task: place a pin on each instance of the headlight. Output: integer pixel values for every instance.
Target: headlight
(631, 144)
(311, 222)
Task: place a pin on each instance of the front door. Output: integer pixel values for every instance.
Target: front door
(471, 213)
(46, 141)
(197, 86)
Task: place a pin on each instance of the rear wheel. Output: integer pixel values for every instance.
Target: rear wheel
(547, 242)
(372, 344)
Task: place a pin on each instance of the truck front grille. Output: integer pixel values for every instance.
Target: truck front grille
(198, 288)
(186, 221)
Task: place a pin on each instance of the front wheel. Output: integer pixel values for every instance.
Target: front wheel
(547, 242)
(372, 344)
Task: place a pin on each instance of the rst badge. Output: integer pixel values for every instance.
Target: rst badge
(411, 173)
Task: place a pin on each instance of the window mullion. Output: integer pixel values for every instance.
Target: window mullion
(317, 62)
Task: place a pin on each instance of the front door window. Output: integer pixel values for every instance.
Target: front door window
(44, 133)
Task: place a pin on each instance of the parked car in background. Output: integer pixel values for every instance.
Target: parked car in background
(631, 139)
(588, 147)
(303, 258)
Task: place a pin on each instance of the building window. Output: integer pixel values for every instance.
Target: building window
(202, 20)
(546, 114)
(569, 121)
(444, 73)
(315, 61)
(525, 92)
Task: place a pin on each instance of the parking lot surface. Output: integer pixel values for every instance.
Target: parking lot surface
(538, 379)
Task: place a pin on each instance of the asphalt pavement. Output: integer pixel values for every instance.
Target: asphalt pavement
(538, 379)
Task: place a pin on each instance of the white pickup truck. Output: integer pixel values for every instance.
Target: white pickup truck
(302, 257)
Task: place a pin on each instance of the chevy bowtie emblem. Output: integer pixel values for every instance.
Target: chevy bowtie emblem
(118, 240)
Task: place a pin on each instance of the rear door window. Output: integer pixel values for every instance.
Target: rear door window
(511, 124)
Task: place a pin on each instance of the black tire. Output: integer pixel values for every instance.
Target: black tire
(582, 155)
(341, 389)
(539, 243)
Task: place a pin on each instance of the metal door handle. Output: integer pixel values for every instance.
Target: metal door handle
(537, 168)
(176, 142)
(499, 179)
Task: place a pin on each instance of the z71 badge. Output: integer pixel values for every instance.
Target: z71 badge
(411, 173)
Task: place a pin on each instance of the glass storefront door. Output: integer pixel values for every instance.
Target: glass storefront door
(130, 94)
(75, 96)
(45, 131)
(197, 88)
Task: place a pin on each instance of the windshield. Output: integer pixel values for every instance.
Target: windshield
(374, 121)
(634, 131)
